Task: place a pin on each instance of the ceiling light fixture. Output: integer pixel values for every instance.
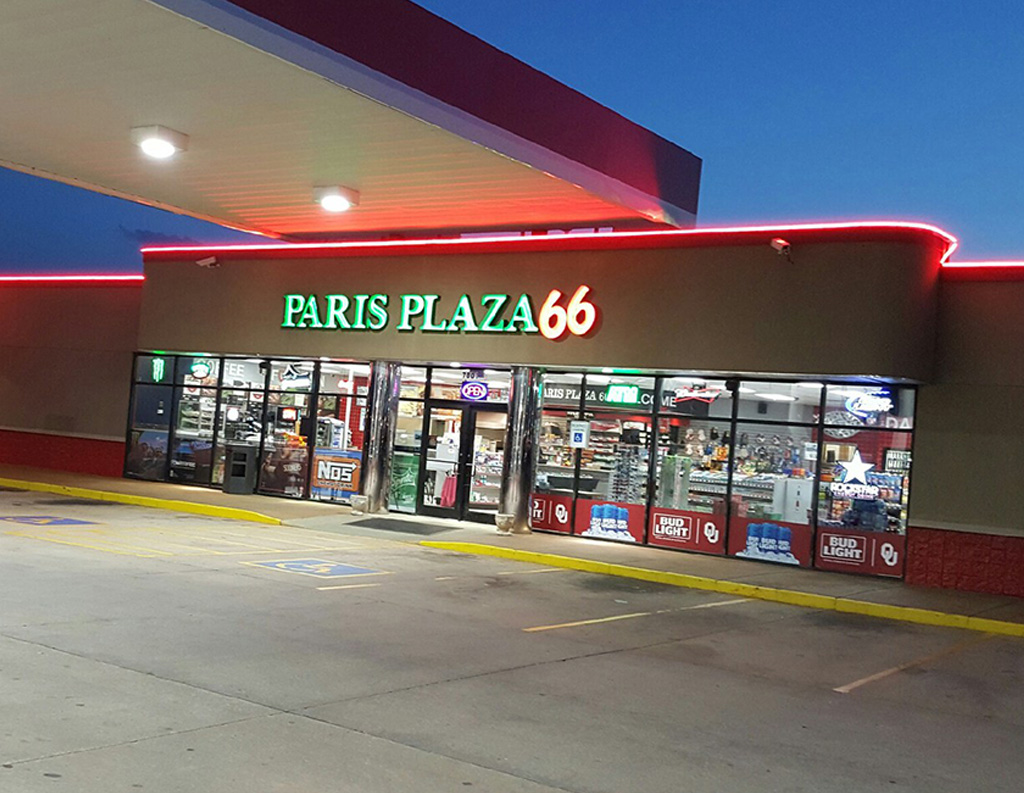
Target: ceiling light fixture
(335, 198)
(159, 142)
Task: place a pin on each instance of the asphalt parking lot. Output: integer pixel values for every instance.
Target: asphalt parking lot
(150, 650)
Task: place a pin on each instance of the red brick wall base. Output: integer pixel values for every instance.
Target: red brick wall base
(62, 453)
(966, 561)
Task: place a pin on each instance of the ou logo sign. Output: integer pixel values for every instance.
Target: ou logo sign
(474, 390)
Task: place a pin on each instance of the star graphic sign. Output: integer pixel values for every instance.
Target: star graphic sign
(856, 469)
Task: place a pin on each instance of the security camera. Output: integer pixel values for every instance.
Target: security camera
(781, 246)
(209, 261)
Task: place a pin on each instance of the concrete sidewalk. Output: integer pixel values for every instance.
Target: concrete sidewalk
(812, 588)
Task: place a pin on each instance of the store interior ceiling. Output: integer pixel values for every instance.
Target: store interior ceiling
(269, 116)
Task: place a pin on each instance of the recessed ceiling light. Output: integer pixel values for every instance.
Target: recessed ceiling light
(808, 385)
(455, 365)
(776, 397)
(335, 198)
(159, 142)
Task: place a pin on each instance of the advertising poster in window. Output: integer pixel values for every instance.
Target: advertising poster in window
(689, 531)
(770, 541)
(866, 552)
(551, 512)
(336, 474)
(147, 454)
(610, 520)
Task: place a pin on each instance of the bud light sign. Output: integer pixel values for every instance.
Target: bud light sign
(474, 390)
(691, 531)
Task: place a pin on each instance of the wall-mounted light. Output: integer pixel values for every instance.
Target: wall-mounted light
(159, 142)
(335, 198)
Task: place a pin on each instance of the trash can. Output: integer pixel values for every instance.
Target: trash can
(239, 469)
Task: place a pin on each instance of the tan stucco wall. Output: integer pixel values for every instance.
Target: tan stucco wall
(969, 447)
(65, 358)
(841, 308)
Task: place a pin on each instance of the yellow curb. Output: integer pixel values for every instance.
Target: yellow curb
(209, 510)
(788, 596)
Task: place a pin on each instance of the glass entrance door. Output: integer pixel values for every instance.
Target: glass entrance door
(488, 454)
(462, 467)
(439, 492)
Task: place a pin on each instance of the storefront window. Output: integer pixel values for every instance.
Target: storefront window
(470, 385)
(158, 369)
(241, 416)
(192, 452)
(614, 465)
(340, 431)
(150, 425)
(405, 461)
(285, 443)
(413, 382)
(773, 492)
(862, 501)
(877, 406)
(291, 376)
(785, 402)
(554, 478)
(692, 465)
(244, 373)
(197, 371)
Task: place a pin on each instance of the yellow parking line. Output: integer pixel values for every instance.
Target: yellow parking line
(576, 624)
(617, 617)
(532, 572)
(106, 549)
(911, 664)
(345, 586)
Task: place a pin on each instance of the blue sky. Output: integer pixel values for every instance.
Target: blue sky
(800, 109)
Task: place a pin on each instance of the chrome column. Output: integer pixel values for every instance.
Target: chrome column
(518, 464)
(385, 378)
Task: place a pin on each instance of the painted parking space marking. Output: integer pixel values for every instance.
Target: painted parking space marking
(534, 572)
(88, 539)
(345, 586)
(46, 520)
(634, 615)
(204, 540)
(318, 568)
(953, 650)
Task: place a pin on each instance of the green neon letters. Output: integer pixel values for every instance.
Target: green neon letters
(490, 313)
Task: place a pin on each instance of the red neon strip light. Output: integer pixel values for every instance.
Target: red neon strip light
(548, 239)
(64, 279)
(982, 265)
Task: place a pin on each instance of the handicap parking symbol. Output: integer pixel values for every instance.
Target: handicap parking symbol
(319, 568)
(46, 520)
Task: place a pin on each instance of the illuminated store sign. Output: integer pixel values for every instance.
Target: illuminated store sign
(474, 390)
(492, 313)
(200, 369)
(854, 471)
(691, 394)
(619, 394)
(864, 406)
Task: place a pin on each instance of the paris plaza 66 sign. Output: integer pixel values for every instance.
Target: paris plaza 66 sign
(558, 316)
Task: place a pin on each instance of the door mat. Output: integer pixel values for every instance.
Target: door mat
(404, 526)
